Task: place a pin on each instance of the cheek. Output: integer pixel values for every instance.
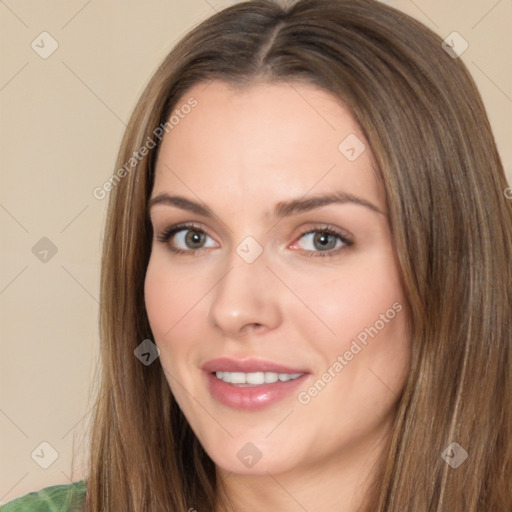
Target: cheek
(352, 299)
(169, 304)
(366, 356)
(169, 297)
(176, 312)
(159, 301)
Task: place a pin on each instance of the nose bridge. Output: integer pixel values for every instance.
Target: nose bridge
(245, 295)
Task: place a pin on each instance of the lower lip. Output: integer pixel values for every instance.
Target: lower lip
(251, 398)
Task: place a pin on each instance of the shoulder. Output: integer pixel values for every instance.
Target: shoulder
(57, 498)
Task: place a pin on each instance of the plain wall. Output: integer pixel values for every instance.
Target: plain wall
(62, 119)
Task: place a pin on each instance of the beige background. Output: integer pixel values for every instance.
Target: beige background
(62, 119)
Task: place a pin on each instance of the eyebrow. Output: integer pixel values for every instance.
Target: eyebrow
(281, 209)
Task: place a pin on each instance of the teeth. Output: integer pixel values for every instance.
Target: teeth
(256, 378)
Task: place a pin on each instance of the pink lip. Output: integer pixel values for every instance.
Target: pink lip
(224, 364)
(250, 398)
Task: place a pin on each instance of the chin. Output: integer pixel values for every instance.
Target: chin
(256, 458)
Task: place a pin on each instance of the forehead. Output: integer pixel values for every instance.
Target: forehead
(262, 140)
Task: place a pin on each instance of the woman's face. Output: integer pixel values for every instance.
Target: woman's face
(274, 282)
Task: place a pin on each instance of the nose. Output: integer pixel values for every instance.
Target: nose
(245, 299)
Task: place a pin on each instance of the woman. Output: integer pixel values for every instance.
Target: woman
(306, 277)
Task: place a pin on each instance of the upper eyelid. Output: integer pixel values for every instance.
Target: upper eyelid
(315, 227)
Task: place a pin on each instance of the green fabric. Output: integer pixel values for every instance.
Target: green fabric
(57, 498)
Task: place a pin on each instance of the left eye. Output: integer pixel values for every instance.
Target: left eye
(325, 241)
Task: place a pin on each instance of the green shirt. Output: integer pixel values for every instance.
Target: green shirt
(57, 498)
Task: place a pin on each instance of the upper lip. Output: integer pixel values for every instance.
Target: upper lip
(225, 364)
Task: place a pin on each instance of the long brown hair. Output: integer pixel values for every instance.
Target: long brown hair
(451, 226)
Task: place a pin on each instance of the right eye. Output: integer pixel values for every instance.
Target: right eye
(184, 239)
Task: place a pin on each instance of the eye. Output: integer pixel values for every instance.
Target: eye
(185, 238)
(324, 241)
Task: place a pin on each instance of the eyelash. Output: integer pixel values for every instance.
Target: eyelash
(168, 233)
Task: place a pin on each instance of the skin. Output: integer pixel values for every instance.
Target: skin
(240, 153)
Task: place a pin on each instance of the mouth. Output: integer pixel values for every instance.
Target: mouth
(251, 384)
